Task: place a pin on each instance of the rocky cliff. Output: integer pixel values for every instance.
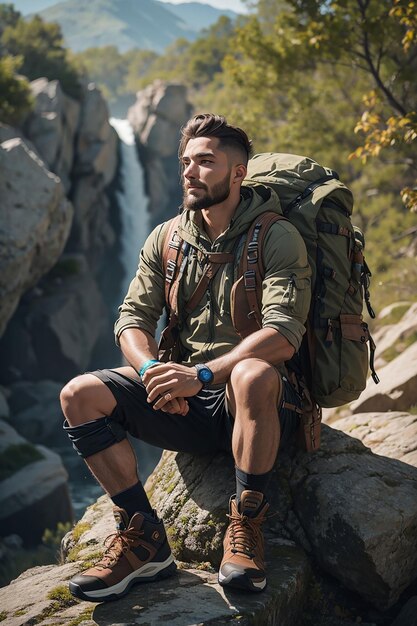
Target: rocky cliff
(55, 173)
(156, 117)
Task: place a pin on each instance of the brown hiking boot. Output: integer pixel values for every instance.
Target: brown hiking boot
(137, 552)
(243, 564)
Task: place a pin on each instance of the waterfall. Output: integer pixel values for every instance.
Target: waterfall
(135, 223)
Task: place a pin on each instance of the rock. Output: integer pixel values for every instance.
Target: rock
(392, 340)
(96, 151)
(52, 127)
(34, 223)
(8, 132)
(392, 434)
(36, 490)
(355, 512)
(397, 389)
(359, 512)
(37, 412)
(408, 614)
(91, 233)
(43, 340)
(156, 117)
(4, 407)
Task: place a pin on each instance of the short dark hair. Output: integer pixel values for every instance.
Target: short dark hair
(211, 125)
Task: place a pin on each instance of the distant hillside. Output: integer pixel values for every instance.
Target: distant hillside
(198, 16)
(145, 24)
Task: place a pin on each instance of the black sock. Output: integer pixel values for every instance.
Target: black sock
(251, 482)
(133, 500)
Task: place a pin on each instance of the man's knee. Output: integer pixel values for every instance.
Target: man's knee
(71, 394)
(255, 377)
(87, 404)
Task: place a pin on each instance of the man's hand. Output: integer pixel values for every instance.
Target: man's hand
(168, 384)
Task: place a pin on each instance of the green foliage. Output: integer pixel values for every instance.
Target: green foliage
(16, 100)
(52, 538)
(17, 456)
(40, 46)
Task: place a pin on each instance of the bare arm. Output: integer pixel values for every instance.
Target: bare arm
(181, 381)
(138, 346)
(267, 344)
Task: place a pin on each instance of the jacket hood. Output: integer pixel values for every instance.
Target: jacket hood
(254, 201)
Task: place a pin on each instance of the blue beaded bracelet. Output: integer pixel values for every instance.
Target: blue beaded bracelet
(147, 365)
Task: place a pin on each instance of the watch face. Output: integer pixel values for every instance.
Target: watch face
(204, 374)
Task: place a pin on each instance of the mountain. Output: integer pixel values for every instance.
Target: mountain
(197, 15)
(145, 24)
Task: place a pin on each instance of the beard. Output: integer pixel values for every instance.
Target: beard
(219, 193)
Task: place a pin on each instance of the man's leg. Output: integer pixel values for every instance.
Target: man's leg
(253, 392)
(139, 551)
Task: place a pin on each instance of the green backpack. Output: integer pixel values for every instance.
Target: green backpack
(319, 205)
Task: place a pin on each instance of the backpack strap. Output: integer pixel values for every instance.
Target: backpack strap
(174, 259)
(214, 260)
(251, 265)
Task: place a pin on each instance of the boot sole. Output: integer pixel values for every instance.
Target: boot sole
(237, 580)
(148, 573)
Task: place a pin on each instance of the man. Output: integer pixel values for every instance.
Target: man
(225, 394)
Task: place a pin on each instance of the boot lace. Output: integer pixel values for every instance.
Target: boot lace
(116, 545)
(244, 533)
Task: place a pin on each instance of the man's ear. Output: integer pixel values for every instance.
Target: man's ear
(240, 173)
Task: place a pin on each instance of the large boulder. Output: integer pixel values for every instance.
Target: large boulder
(52, 126)
(393, 338)
(37, 412)
(353, 511)
(156, 117)
(56, 328)
(34, 223)
(392, 434)
(397, 390)
(34, 492)
(96, 147)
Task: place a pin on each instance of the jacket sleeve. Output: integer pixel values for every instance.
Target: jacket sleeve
(286, 289)
(145, 299)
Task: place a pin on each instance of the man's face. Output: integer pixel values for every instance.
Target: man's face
(207, 173)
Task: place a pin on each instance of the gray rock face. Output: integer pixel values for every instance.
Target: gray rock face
(34, 223)
(37, 492)
(355, 512)
(392, 434)
(52, 126)
(37, 412)
(397, 390)
(160, 111)
(54, 332)
(394, 337)
(359, 512)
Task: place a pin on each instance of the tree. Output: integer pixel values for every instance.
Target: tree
(16, 100)
(40, 45)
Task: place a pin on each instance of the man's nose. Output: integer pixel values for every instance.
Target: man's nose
(190, 170)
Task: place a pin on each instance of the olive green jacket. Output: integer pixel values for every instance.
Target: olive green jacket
(208, 331)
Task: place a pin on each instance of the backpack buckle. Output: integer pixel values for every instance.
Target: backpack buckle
(170, 271)
(252, 253)
(249, 279)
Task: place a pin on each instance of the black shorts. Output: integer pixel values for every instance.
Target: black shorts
(206, 428)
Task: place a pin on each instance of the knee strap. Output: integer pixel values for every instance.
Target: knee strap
(95, 436)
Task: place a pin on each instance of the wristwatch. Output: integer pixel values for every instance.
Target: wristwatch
(204, 374)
